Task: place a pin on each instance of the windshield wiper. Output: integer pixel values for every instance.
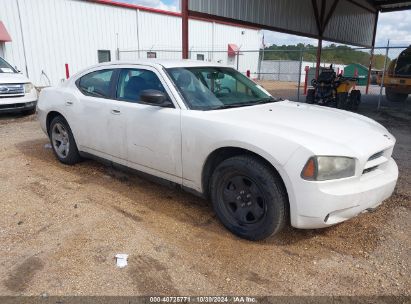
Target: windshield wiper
(233, 105)
(247, 104)
(267, 100)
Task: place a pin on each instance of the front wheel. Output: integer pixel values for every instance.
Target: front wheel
(310, 96)
(249, 198)
(394, 96)
(355, 100)
(62, 141)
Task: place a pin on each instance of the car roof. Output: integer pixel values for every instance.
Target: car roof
(166, 63)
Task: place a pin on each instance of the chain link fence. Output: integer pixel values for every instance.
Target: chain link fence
(288, 73)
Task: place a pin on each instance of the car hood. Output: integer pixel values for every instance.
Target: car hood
(13, 78)
(312, 126)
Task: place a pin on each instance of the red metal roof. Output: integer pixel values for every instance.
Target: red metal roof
(4, 35)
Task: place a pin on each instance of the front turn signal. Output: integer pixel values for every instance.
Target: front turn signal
(309, 171)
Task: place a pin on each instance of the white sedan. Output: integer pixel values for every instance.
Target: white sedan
(263, 162)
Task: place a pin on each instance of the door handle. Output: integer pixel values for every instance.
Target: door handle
(69, 103)
(115, 112)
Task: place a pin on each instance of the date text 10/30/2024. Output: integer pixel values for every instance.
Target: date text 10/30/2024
(204, 299)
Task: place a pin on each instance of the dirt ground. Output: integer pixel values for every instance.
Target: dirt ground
(61, 226)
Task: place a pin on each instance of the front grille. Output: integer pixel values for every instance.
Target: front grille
(11, 96)
(376, 155)
(374, 161)
(369, 170)
(11, 89)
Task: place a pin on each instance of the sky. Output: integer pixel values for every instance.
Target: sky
(168, 5)
(395, 26)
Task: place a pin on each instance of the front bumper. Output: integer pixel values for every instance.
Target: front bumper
(13, 104)
(18, 107)
(316, 204)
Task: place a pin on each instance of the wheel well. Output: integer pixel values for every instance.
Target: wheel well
(50, 116)
(221, 154)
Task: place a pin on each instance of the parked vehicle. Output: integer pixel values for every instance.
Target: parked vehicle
(263, 162)
(17, 93)
(333, 90)
(397, 78)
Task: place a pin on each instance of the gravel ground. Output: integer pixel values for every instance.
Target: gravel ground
(61, 226)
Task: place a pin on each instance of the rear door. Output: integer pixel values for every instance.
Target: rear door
(103, 124)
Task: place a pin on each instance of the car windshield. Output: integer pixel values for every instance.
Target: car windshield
(212, 88)
(5, 67)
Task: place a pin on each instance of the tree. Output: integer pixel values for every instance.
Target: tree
(339, 54)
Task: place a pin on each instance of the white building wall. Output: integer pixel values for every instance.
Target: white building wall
(71, 31)
(63, 31)
(13, 51)
(245, 38)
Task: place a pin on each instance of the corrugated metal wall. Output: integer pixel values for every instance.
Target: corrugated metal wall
(351, 24)
(266, 12)
(71, 31)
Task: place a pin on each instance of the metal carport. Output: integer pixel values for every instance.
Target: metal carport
(352, 22)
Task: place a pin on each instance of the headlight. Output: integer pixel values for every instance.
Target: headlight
(321, 168)
(28, 87)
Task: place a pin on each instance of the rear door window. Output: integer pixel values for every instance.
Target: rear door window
(96, 84)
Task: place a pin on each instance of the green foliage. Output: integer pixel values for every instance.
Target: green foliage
(340, 54)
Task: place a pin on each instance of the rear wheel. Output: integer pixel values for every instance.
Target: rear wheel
(62, 141)
(310, 96)
(248, 198)
(341, 100)
(395, 97)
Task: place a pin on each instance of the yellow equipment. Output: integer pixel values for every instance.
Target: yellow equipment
(397, 78)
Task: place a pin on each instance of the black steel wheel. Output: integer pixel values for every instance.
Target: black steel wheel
(248, 197)
(242, 200)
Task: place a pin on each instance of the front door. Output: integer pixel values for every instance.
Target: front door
(153, 132)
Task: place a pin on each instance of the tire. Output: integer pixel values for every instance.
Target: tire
(30, 112)
(310, 96)
(355, 100)
(341, 100)
(395, 97)
(62, 141)
(248, 198)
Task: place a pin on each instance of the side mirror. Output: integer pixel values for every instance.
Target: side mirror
(155, 98)
(17, 70)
